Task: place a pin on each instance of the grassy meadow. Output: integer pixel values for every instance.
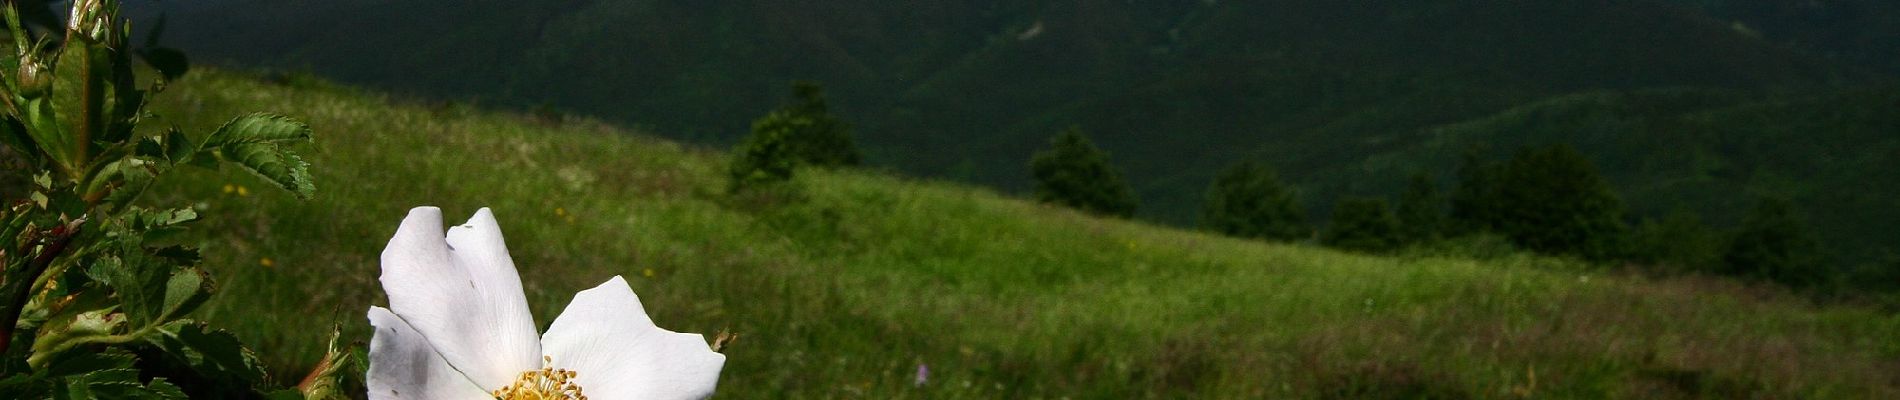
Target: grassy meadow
(845, 287)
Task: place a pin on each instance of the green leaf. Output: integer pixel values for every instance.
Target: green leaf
(80, 363)
(286, 394)
(256, 142)
(43, 126)
(13, 135)
(215, 355)
(118, 384)
(132, 175)
(151, 288)
(178, 147)
(186, 290)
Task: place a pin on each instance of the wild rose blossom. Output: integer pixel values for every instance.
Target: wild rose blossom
(458, 327)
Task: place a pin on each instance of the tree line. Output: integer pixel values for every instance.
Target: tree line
(1548, 200)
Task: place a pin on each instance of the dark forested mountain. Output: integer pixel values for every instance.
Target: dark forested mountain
(1683, 103)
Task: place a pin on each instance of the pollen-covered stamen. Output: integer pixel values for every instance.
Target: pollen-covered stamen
(546, 383)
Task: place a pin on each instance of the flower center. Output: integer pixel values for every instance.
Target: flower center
(544, 384)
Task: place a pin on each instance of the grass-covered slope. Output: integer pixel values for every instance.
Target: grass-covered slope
(844, 295)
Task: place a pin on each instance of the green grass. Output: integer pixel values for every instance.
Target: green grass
(844, 294)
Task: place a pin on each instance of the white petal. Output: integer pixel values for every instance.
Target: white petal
(463, 295)
(403, 366)
(617, 352)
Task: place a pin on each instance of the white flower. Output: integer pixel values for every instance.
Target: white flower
(458, 327)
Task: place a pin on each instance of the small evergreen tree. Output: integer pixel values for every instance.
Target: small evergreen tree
(1360, 224)
(1421, 217)
(814, 136)
(1248, 200)
(1074, 173)
(765, 157)
(1773, 244)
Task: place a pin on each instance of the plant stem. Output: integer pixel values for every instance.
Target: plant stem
(17, 291)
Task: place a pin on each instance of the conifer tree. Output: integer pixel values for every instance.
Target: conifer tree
(1248, 200)
(1361, 224)
(1074, 173)
(1772, 244)
(812, 134)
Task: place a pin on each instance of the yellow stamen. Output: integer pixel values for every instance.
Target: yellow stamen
(547, 383)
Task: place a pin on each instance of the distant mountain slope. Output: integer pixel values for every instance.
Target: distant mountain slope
(1864, 32)
(967, 89)
(1712, 152)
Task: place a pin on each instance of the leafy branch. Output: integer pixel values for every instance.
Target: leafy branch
(94, 288)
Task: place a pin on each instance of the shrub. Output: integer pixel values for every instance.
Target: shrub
(1248, 200)
(1677, 243)
(1773, 245)
(1548, 200)
(1474, 201)
(763, 158)
(1074, 173)
(1420, 214)
(1360, 224)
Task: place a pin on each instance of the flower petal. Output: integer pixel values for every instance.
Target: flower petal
(616, 352)
(461, 292)
(403, 366)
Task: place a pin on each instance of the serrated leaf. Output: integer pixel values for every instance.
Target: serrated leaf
(139, 280)
(178, 147)
(81, 363)
(187, 289)
(259, 128)
(23, 386)
(214, 354)
(120, 384)
(161, 389)
(150, 147)
(256, 142)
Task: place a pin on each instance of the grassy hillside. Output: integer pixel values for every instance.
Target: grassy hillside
(844, 295)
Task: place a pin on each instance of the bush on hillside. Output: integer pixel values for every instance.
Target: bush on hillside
(1677, 243)
(1248, 200)
(1774, 245)
(1549, 200)
(764, 158)
(1420, 213)
(1473, 201)
(1074, 173)
(1364, 225)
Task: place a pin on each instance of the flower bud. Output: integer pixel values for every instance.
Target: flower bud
(34, 78)
(92, 20)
